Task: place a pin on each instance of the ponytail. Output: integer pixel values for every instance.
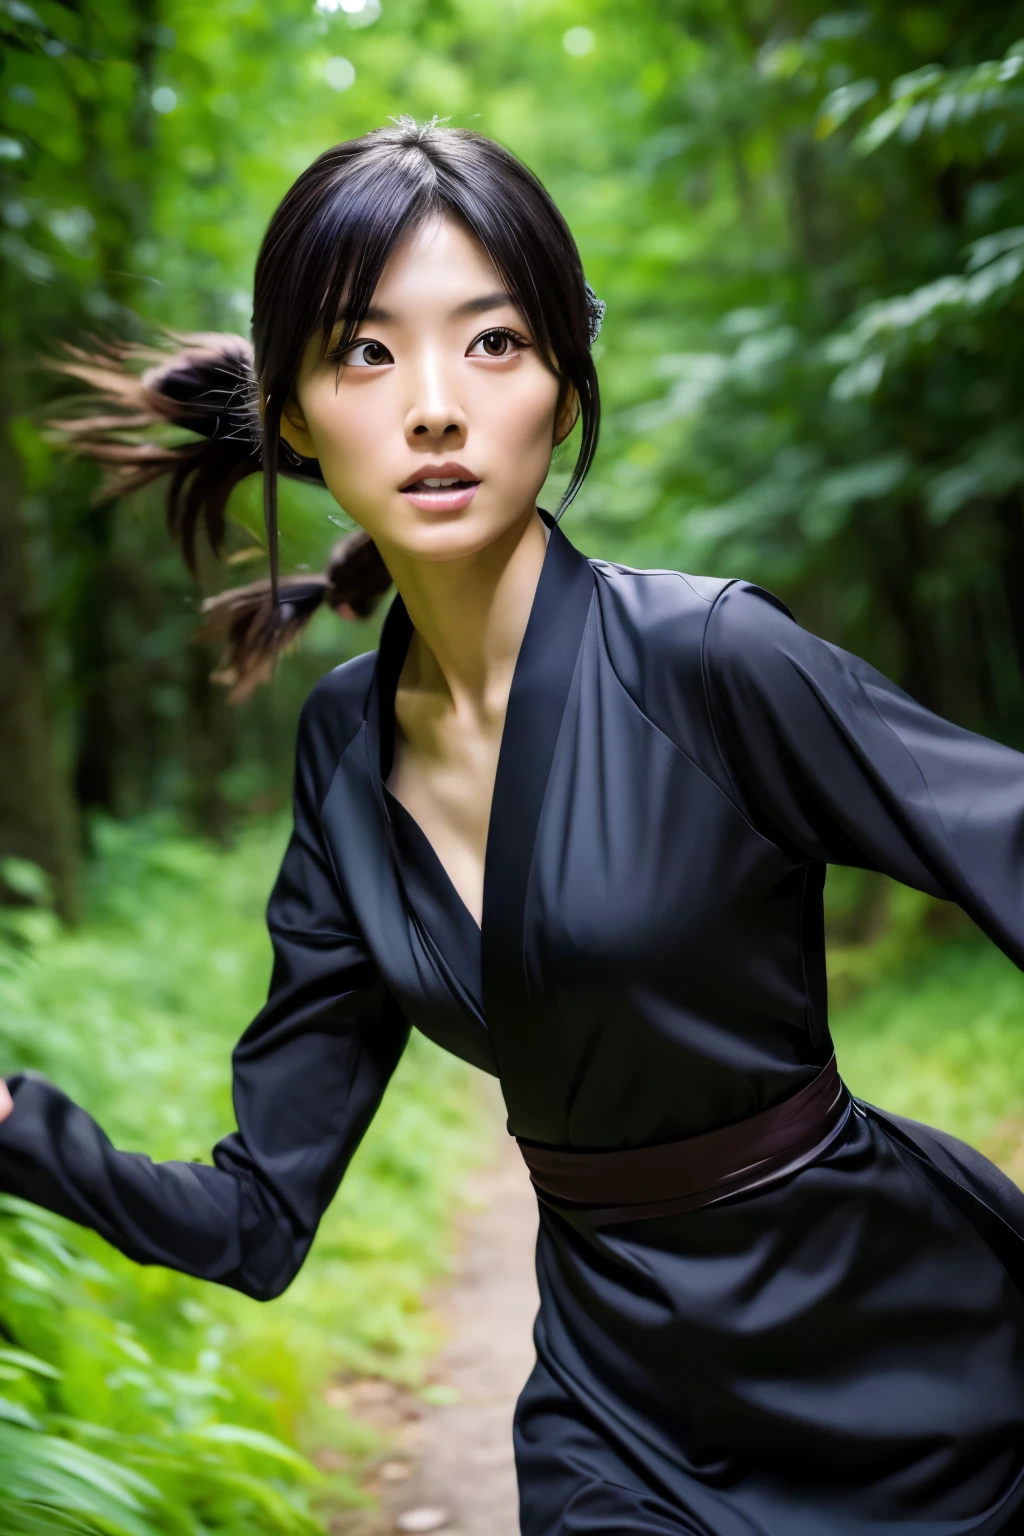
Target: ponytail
(255, 630)
(209, 387)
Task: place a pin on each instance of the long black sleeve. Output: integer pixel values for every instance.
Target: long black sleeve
(308, 1075)
(837, 764)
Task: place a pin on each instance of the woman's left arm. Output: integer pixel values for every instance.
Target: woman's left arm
(837, 764)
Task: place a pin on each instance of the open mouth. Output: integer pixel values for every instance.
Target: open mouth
(429, 484)
(441, 494)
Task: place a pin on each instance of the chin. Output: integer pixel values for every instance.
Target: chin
(454, 541)
(455, 536)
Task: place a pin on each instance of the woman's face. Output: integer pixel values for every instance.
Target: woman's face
(441, 383)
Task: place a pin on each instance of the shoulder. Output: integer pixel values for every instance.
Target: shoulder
(673, 608)
(338, 700)
(652, 618)
(746, 628)
(331, 717)
(745, 615)
(672, 637)
(665, 619)
(755, 651)
(654, 600)
(652, 626)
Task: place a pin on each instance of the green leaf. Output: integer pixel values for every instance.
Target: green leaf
(989, 247)
(875, 133)
(942, 111)
(16, 1413)
(860, 379)
(44, 1473)
(27, 1362)
(913, 124)
(25, 879)
(840, 105)
(916, 83)
(253, 1440)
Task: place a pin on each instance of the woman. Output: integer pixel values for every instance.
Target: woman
(572, 820)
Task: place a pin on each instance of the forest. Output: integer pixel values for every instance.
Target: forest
(807, 220)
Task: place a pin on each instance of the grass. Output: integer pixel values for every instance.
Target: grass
(928, 1021)
(942, 1040)
(135, 1015)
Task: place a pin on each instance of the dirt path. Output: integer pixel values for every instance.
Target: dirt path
(456, 1460)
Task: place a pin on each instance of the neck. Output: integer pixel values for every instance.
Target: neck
(469, 616)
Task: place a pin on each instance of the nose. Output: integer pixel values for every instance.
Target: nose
(435, 412)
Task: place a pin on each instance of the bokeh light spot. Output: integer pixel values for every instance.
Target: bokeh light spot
(339, 73)
(579, 41)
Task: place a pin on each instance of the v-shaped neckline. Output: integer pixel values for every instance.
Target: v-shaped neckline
(436, 864)
(396, 644)
(541, 682)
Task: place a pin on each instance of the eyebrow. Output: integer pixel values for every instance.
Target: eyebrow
(478, 306)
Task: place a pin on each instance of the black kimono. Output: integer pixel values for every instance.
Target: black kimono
(839, 1353)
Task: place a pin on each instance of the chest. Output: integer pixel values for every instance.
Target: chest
(443, 773)
(627, 867)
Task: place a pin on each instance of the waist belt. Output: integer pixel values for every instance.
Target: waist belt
(684, 1175)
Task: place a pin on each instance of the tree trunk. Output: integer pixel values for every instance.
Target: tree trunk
(97, 647)
(36, 820)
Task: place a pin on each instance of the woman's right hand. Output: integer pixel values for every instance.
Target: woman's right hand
(6, 1102)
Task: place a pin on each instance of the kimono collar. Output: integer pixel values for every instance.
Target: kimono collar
(541, 682)
(563, 569)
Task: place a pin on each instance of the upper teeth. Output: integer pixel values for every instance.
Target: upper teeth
(436, 484)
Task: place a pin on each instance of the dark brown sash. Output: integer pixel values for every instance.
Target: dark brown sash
(683, 1175)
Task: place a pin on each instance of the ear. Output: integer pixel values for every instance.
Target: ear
(293, 427)
(568, 415)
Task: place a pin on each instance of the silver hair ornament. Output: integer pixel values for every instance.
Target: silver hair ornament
(595, 312)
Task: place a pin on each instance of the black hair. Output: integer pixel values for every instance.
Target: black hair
(322, 257)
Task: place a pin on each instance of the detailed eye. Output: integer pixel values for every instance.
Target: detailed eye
(366, 354)
(499, 342)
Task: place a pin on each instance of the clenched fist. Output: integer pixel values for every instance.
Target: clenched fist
(6, 1102)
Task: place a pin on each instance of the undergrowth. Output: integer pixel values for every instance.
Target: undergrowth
(134, 1400)
(928, 1018)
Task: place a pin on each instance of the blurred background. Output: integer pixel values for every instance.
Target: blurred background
(808, 222)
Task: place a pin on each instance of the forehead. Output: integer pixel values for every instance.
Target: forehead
(439, 263)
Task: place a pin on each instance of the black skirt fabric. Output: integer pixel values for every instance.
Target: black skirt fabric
(841, 1352)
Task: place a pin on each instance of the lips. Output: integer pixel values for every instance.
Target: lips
(441, 489)
(440, 484)
(435, 478)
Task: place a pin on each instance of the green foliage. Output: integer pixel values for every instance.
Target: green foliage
(807, 220)
(167, 1406)
(940, 1038)
(98, 1434)
(838, 414)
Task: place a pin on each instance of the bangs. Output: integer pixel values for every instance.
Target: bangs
(333, 247)
(375, 210)
(345, 215)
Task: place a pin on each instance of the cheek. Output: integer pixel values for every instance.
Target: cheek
(346, 426)
(519, 417)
